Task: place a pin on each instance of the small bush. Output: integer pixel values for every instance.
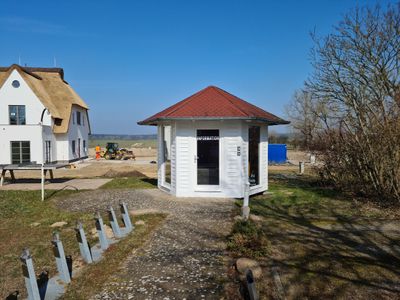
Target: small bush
(248, 239)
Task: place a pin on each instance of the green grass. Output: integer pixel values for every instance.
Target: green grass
(131, 183)
(25, 222)
(324, 244)
(91, 280)
(124, 143)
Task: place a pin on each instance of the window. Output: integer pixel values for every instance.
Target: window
(166, 133)
(20, 152)
(17, 114)
(73, 146)
(84, 146)
(47, 154)
(73, 118)
(254, 151)
(78, 117)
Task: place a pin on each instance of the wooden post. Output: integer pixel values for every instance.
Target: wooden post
(3, 174)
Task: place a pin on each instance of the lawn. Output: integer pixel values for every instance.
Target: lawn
(131, 183)
(322, 244)
(25, 222)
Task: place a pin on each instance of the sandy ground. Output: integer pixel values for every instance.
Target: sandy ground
(139, 152)
(91, 168)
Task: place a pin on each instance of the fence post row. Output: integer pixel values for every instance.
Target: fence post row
(29, 275)
(125, 216)
(83, 244)
(61, 260)
(100, 231)
(114, 222)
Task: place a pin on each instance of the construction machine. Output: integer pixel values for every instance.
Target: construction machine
(114, 152)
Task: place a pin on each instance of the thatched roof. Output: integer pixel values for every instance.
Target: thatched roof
(49, 86)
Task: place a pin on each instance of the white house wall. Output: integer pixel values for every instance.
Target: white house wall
(75, 132)
(61, 145)
(32, 131)
(231, 179)
(184, 159)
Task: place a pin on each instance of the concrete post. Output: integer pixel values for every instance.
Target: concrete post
(83, 244)
(251, 286)
(312, 159)
(61, 261)
(125, 216)
(100, 231)
(301, 167)
(114, 222)
(29, 275)
(246, 208)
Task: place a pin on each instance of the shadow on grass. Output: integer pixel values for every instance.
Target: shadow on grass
(152, 181)
(325, 246)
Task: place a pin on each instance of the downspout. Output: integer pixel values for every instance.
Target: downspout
(42, 167)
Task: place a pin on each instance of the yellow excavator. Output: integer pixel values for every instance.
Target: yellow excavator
(114, 152)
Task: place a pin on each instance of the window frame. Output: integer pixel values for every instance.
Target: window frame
(78, 118)
(164, 163)
(73, 147)
(258, 150)
(17, 113)
(20, 154)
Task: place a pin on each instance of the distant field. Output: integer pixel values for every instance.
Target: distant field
(124, 143)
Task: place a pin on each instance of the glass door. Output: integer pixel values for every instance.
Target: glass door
(254, 155)
(207, 157)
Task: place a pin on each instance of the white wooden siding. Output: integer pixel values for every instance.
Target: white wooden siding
(234, 168)
(184, 160)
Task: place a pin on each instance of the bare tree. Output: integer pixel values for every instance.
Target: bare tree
(304, 120)
(356, 85)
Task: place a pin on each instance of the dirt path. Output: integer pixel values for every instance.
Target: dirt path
(183, 260)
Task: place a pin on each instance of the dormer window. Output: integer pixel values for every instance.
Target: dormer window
(17, 114)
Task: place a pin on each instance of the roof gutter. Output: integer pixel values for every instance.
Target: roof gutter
(269, 122)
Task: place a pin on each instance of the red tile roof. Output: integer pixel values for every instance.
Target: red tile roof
(213, 103)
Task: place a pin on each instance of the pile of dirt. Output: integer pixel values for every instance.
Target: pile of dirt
(112, 173)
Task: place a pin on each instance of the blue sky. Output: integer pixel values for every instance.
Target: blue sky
(130, 59)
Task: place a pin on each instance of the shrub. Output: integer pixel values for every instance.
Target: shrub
(248, 239)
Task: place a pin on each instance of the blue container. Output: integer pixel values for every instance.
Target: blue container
(277, 153)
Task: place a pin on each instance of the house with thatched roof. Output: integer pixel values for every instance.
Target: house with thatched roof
(213, 144)
(42, 119)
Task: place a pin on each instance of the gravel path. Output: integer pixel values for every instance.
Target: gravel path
(184, 258)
